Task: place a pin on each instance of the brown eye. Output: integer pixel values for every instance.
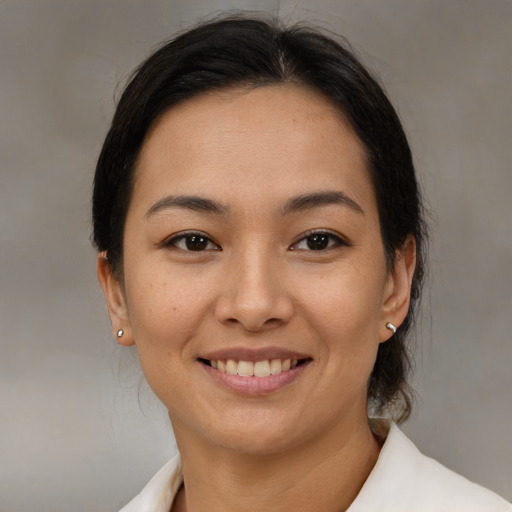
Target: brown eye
(191, 242)
(196, 242)
(319, 241)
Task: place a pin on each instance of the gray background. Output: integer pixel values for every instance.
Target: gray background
(78, 431)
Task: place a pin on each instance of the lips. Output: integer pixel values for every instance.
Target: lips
(255, 371)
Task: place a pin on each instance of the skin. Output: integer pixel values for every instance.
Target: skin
(257, 285)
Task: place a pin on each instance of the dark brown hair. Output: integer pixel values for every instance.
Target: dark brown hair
(251, 52)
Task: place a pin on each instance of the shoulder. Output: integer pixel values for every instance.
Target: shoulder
(405, 480)
(159, 493)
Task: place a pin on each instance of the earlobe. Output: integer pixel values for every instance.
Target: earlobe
(116, 303)
(397, 295)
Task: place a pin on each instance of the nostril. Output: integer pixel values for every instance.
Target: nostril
(253, 310)
(273, 321)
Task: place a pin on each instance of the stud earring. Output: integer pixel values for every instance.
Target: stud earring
(120, 333)
(391, 327)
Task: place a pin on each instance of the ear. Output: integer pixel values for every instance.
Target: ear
(116, 302)
(397, 294)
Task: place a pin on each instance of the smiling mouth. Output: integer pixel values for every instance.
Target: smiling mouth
(262, 368)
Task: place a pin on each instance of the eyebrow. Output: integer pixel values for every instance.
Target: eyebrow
(313, 200)
(195, 203)
(294, 205)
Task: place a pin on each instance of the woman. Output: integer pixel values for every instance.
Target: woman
(261, 243)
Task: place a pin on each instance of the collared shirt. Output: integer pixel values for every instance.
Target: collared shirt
(402, 480)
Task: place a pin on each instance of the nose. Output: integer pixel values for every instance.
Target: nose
(253, 294)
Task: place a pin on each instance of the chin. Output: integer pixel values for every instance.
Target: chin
(260, 433)
(256, 442)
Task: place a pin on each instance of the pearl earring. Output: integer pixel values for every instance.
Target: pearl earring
(120, 333)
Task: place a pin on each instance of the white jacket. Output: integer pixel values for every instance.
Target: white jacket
(403, 480)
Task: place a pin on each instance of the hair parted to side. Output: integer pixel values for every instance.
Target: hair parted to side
(241, 51)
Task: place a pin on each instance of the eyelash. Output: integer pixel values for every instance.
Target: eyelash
(173, 242)
(333, 242)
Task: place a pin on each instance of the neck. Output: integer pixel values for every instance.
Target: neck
(323, 475)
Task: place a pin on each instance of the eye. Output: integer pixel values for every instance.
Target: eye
(318, 241)
(192, 242)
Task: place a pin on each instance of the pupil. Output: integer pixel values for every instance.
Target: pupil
(196, 243)
(318, 242)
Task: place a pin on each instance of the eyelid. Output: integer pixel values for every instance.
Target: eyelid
(341, 241)
(171, 241)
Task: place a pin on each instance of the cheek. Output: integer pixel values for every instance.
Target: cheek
(163, 320)
(346, 301)
(343, 309)
(164, 309)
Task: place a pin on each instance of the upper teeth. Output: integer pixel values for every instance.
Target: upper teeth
(253, 369)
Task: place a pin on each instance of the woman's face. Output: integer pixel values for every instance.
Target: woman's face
(252, 244)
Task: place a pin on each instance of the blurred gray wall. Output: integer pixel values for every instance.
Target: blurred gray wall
(78, 431)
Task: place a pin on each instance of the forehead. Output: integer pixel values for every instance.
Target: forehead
(270, 142)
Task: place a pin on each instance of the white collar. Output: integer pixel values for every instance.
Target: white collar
(402, 480)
